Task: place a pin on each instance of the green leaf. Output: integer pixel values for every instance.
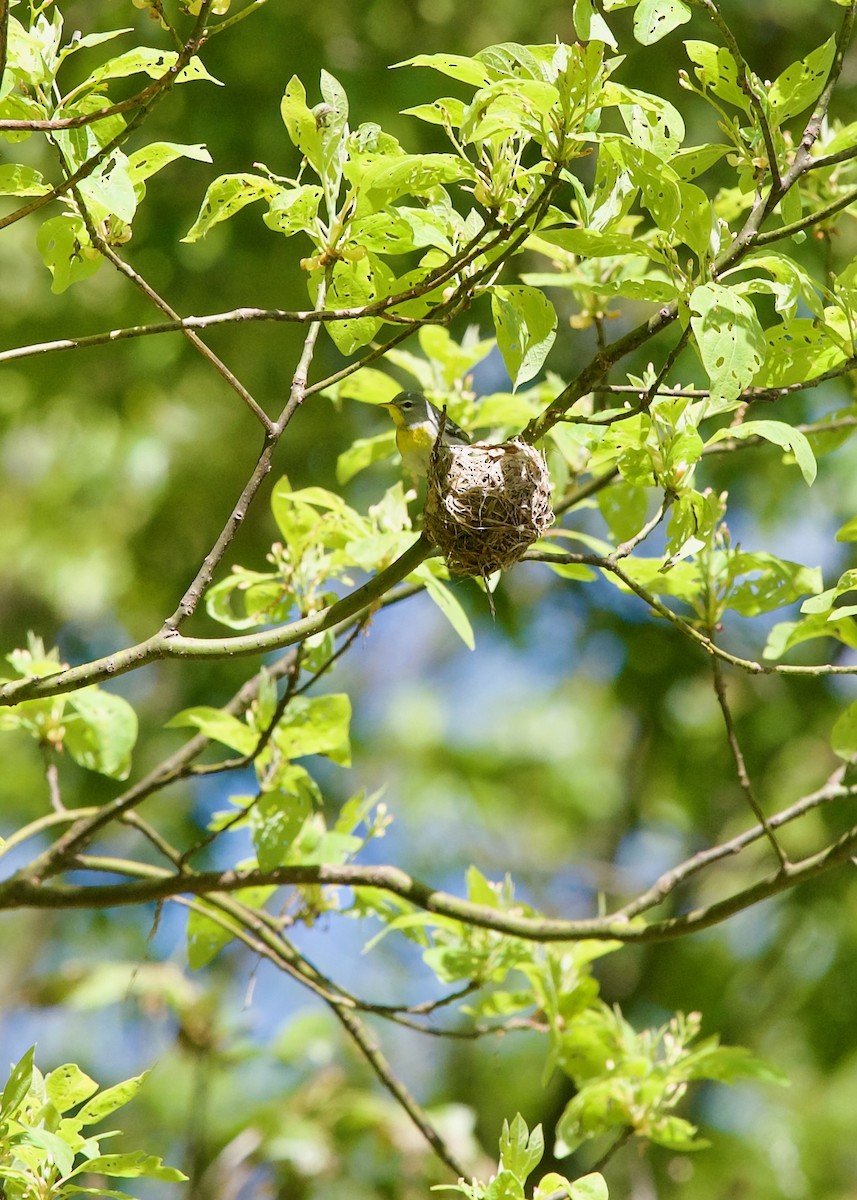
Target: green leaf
(456, 66)
(683, 581)
(843, 737)
(824, 601)
(352, 286)
(801, 83)
(65, 248)
(110, 1100)
(791, 284)
(504, 1186)
(448, 605)
(770, 582)
(447, 110)
(652, 123)
(521, 1151)
(498, 108)
(146, 60)
(277, 817)
(717, 70)
(104, 733)
(654, 19)
(781, 434)
(675, 1133)
(593, 243)
(787, 634)
(730, 340)
(696, 221)
(301, 125)
(801, 349)
(294, 209)
(695, 160)
(848, 531)
(589, 1187)
(17, 1085)
(226, 196)
(525, 322)
(18, 180)
(362, 454)
(109, 190)
(624, 507)
(218, 725)
(411, 175)
(67, 1086)
(658, 184)
(316, 726)
(56, 1148)
(368, 385)
(130, 1166)
(384, 232)
(589, 25)
(150, 159)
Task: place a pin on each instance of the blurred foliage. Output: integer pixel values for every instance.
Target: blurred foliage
(580, 750)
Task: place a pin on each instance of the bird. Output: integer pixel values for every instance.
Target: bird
(417, 424)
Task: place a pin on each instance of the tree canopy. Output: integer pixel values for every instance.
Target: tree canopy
(398, 868)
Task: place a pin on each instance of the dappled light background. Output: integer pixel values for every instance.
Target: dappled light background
(578, 749)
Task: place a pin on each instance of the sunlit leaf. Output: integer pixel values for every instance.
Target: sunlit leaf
(730, 341)
(801, 83)
(654, 19)
(787, 436)
(104, 732)
(525, 322)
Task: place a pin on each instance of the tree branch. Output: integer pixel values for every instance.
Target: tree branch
(165, 644)
(740, 764)
(154, 884)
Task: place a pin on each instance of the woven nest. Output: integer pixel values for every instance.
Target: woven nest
(486, 504)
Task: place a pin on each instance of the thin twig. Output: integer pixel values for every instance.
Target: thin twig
(371, 1051)
(53, 781)
(55, 124)
(746, 85)
(4, 37)
(807, 222)
(750, 665)
(815, 122)
(288, 959)
(740, 764)
(197, 588)
(169, 644)
(124, 268)
(833, 789)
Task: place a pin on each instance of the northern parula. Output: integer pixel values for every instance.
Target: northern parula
(417, 424)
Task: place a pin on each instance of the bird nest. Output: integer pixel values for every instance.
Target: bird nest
(486, 504)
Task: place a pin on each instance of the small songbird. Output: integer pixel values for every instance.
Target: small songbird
(417, 424)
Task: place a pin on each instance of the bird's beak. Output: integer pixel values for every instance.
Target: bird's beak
(394, 413)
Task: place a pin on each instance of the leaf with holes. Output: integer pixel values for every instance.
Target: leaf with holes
(525, 322)
(730, 340)
(654, 19)
(801, 83)
(293, 210)
(225, 197)
(717, 71)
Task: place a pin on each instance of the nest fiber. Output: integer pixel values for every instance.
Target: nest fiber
(486, 504)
